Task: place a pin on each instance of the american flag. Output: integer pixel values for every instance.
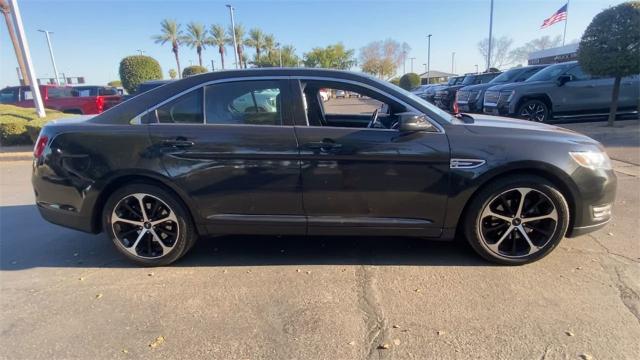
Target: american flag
(556, 17)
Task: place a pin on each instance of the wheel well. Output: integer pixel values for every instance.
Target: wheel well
(124, 180)
(555, 180)
(542, 97)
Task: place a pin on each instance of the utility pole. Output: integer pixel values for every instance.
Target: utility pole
(22, 72)
(404, 61)
(453, 59)
(213, 65)
(476, 65)
(53, 60)
(490, 37)
(233, 31)
(412, 63)
(24, 48)
(425, 69)
(429, 60)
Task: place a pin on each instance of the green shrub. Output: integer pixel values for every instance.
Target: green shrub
(21, 126)
(138, 69)
(409, 81)
(395, 81)
(13, 131)
(193, 70)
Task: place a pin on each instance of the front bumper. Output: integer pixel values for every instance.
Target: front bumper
(497, 109)
(594, 201)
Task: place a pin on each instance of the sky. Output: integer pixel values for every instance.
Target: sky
(91, 37)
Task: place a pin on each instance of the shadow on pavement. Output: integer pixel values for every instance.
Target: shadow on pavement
(28, 241)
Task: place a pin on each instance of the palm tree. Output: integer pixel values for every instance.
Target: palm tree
(170, 33)
(269, 44)
(196, 37)
(256, 40)
(219, 38)
(239, 31)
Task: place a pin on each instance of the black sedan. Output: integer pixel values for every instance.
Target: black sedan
(259, 152)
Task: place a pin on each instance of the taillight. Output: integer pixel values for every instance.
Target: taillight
(456, 109)
(41, 143)
(100, 103)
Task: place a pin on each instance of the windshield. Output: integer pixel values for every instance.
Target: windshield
(507, 76)
(453, 80)
(550, 73)
(469, 80)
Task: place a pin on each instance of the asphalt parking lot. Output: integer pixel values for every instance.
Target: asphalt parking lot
(66, 294)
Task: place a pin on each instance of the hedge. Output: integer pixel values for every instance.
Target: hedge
(21, 126)
(138, 69)
(409, 81)
(193, 70)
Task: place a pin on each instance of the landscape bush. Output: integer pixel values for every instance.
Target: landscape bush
(409, 81)
(21, 126)
(138, 69)
(193, 70)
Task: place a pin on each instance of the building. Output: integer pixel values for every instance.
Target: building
(554, 55)
(435, 77)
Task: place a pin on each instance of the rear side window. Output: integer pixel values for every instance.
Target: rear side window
(187, 109)
(8, 96)
(244, 103)
(59, 92)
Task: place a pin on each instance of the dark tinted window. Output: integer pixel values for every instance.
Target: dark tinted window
(507, 76)
(577, 74)
(186, 109)
(550, 73)
(527, 73)
(244, 102)
(485, 78)
(8, 95)
(469, 80)
(59, 92)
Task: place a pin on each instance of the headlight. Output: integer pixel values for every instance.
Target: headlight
(507, 95)
(592, 159)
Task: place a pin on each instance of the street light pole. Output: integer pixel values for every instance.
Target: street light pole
(404, 61)
(233, 31)
(425, 69)
(26, 55)
(490, 37)
(429, 59)
(53, 60)
(412, 63)
(453, 59)
(140, 51)
(476, 65)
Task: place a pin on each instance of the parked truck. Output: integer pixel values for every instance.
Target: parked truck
(84, 100)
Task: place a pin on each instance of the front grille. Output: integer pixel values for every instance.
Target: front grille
(463, 95)
(491, 97)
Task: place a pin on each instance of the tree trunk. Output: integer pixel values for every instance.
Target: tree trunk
(4, 7)
(257, 53)
(175, 52)
(240, 57)
(614, 101)
(221, 51)
(199, 49)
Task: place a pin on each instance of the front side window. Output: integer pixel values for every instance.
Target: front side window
(187, 109)
(577, 74)
(244, 103)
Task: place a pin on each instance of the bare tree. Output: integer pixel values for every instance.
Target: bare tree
(381, 58)
(521, 54)
(500, 51)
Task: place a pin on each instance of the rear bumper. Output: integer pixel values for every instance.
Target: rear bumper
(67, 218)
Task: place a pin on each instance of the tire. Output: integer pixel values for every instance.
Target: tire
(163, 242)
(534, 110)
(501, 232)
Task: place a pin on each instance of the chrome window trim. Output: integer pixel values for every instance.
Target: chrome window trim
(374, 89)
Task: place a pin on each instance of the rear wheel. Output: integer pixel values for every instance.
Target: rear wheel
(534, 110)
(148, 224)
(516, 220)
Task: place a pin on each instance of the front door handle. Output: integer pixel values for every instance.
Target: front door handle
(178, 143)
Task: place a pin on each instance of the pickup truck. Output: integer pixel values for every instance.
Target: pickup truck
(81, 100)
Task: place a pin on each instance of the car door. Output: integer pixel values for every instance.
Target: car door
(581, 94)
(629, 98)
(231, 147)
(368, 181)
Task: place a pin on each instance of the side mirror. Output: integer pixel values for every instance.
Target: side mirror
(410, 121)
(563, 79)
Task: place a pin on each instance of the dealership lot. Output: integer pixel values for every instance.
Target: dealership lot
(67, 294)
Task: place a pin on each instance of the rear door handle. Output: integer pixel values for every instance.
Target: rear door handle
(178, 143)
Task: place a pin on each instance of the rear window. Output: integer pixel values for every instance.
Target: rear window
(59, 92)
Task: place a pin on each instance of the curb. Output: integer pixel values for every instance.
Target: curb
(16, 156)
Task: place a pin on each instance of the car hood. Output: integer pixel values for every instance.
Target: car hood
(487, 124)
(516, 85)
(479, 87)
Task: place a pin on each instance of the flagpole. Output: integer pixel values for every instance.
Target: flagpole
(564, 34)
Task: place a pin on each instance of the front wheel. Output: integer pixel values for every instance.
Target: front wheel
(534, 110)
(516, 220)
(148, 224)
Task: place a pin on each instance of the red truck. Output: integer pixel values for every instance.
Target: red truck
(68, 99)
